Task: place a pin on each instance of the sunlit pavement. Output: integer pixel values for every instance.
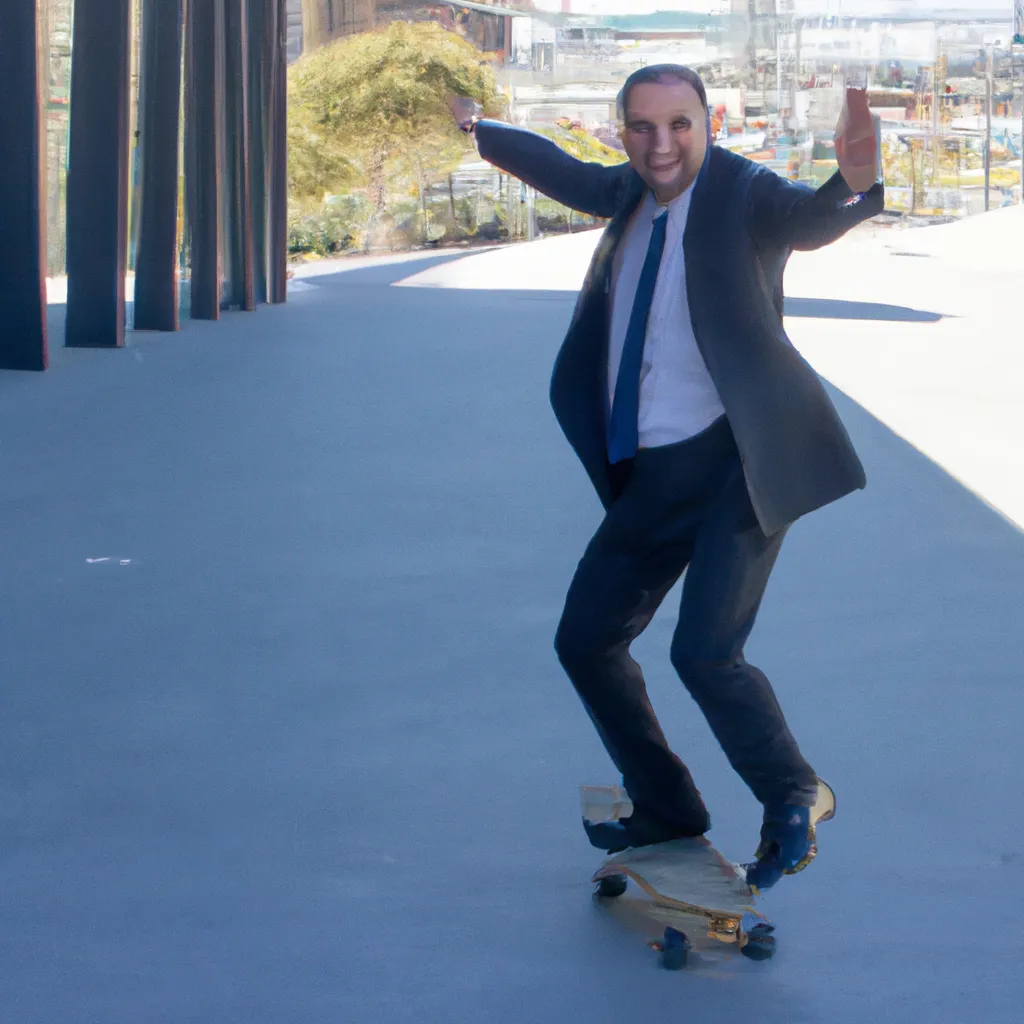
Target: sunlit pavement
(283, 733)
(922, 327)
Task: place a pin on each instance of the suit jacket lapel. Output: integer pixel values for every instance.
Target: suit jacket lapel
(632, 195)
(701, 202)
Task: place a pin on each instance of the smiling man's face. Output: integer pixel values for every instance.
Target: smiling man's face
(665, 135)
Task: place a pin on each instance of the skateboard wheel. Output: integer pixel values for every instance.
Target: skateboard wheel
(611, 887)
(674, 949)
(759, 947)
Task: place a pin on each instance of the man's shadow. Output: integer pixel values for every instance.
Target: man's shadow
(844, 309)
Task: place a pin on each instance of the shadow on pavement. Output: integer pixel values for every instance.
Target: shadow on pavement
(352, 271)
(843, 309)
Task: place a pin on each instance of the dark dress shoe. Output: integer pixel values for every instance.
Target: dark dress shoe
(641, 828)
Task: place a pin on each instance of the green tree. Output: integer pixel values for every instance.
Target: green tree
(374, 102)
(580, 144)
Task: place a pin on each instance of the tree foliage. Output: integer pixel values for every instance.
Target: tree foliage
(363, 103)
(571, 137)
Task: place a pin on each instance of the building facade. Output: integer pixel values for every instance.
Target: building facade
(293, 44)
(490, 29)
(326, 20)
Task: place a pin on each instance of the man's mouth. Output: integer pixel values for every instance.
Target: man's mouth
(660, 168)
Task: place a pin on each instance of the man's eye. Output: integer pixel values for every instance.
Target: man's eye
(638, 129)
(681, 125)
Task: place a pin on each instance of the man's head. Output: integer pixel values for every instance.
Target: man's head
(663, 116)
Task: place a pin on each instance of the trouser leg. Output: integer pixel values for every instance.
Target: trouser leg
(632, 562)
(725, 582)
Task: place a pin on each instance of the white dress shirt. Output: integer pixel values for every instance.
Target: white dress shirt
(678, 398)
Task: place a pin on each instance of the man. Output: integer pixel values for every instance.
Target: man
(703, 430)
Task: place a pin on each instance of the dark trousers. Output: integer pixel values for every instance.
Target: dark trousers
(682, 507)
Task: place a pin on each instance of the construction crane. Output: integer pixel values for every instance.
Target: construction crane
(787, 62)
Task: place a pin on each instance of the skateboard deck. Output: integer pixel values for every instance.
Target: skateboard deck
(692, 890)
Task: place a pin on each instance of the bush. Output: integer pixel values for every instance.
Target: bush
(410, 226)
(339, 225)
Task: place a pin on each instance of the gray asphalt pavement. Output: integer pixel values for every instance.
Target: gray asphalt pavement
(300, 749)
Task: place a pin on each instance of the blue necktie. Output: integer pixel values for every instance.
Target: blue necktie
(623, 422)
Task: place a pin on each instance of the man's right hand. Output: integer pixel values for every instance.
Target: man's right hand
(463, 110)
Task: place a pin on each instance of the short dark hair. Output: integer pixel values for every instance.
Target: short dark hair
(662, 74)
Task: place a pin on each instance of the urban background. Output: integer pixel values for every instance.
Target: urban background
(944, 79)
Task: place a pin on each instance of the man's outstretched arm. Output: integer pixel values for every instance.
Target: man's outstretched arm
(587, 187)
(782, 213)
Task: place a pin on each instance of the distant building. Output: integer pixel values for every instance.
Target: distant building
(325, 20)
(491, 29)
(295, 35)
(761, 18)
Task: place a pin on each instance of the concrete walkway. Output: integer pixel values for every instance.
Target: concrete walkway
(922, 327)
(298, 749)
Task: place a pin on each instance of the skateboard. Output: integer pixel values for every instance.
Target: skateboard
(693, 891)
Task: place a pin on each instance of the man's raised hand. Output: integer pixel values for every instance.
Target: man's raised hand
(856, 145)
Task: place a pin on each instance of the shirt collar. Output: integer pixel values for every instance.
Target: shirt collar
(678, 208)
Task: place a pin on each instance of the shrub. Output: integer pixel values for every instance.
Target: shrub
(337, 226)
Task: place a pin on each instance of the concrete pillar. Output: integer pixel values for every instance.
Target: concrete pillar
(278, 170)
(97, 190)
(204, 102)
(259, 105)
(23, 341)
(156, 277)
(238, 181)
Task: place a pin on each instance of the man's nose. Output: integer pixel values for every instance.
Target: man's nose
(662, 138)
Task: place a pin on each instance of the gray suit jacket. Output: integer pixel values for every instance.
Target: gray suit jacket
(744, 222)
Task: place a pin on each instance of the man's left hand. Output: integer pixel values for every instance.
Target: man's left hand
(464, 110)
(856, 146)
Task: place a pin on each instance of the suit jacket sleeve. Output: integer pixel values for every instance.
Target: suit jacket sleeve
(587, 187)
(784, 213)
